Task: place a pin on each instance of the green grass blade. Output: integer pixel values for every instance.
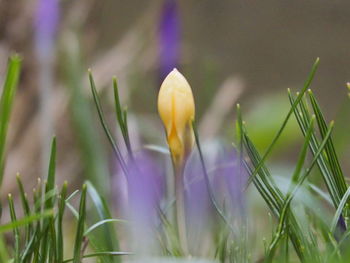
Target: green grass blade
(339, 210)
(61, 209)
(114, 145)
(301, 115)
(4, 257)
(50, 184)
(101, 223)
(79, 236)
(118, 109)
(102, 253)
(291, 193)
(273, 196)
(330, 150)
(284, 124)
(6, 101)
(94, 161)
(121, 117)
(15, 229)
(106, 239)
(26, 207)
(49, 201)
(53, 257)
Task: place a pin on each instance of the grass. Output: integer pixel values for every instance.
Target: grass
(300, 233)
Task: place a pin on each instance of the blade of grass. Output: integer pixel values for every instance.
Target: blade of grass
(121, 117)
(94, 161)
(337, 214)
(15, 229)
(114, 145)
(279, 132)
(102, 253)
(49, 200)
(292, 191)
(273, 195)
(25, 205)
(330, 150)
(101, 223)
(50, 184)
(107, 240)
(61, 209)
(79, 236)
(6, 101)
(301, 114)
(52, 244)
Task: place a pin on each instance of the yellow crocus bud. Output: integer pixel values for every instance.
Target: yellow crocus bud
(176, 109)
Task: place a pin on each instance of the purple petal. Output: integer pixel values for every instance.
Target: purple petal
(145, 189)
(169, 38)
(197, 203)
(45, 24)
(230, 181)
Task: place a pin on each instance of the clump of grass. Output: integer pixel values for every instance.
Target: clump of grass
(38, 235)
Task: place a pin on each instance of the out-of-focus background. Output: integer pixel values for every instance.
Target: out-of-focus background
(230, 51)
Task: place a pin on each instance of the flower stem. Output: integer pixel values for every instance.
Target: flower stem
(180, 207)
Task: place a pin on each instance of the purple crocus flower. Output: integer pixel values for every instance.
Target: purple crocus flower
(227, 182)
(169, 38)
(144, 188)
(197, 203)
(45, 24)
(230, 180)
(45, 27)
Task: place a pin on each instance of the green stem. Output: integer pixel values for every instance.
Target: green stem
(180, 207)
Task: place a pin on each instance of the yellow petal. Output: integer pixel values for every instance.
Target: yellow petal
(176, 109)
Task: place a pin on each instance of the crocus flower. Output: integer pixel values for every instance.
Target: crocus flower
(46, 21)
(197, 205)
(232, 179)
(176, 109)
(169, 38)
(144, 191)
(45, 27)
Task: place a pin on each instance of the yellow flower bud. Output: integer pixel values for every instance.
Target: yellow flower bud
(176, 109)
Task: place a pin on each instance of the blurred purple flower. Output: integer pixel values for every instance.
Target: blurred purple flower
(197, 197)
(45, 25)
(169, 38)
(144, 189)
(232, 179)
(227, 183)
